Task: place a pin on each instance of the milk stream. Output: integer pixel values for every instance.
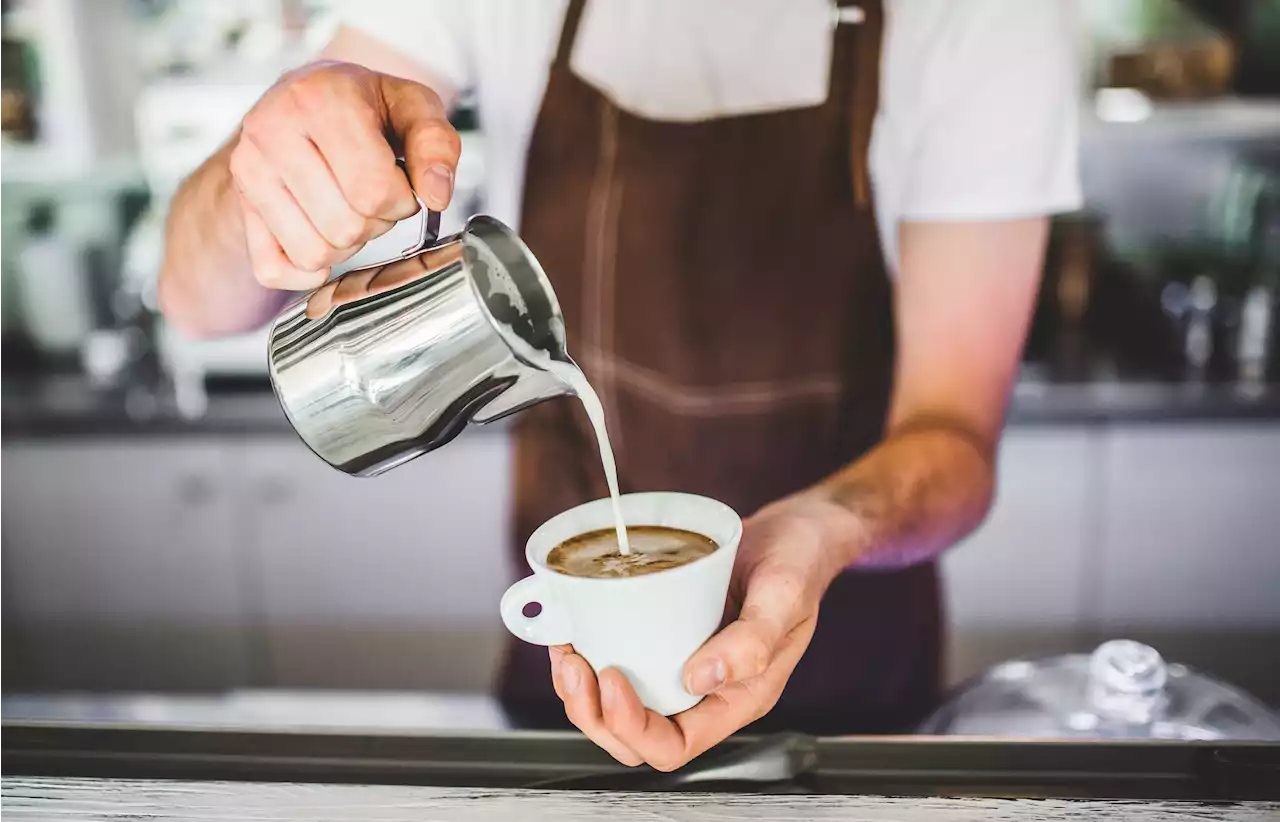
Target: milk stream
(500, 283)
(572, 376)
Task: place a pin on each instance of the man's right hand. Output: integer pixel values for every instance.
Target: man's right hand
(314, 166)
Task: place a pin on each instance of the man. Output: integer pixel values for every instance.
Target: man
(698, 179)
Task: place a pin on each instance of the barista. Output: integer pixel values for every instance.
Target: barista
(797, 248)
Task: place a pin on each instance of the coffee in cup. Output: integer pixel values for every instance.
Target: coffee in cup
(644, 624)
(654, 548)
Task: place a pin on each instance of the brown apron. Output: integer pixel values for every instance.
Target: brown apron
(724, 290)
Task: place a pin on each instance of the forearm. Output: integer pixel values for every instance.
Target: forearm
(206, 285)
(926, 486)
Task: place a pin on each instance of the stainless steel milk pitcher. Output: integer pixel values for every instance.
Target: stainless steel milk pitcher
(389, 361)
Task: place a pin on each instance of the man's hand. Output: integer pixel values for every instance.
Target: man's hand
(316, 175)
(308, 178)
(926, 485)
(790, 552)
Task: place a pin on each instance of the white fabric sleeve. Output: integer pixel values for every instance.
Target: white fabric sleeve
(431, 32)
(979, 108)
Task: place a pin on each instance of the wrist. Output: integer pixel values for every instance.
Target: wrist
(846, 530)
(842, 532)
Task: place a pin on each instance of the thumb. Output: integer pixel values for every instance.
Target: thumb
(429, 141)
(744, 649)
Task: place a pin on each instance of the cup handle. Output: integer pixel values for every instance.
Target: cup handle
(547, 628)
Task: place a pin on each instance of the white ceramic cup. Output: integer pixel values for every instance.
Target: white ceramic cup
(645, 626)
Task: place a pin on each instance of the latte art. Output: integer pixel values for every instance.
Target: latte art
(654, 548)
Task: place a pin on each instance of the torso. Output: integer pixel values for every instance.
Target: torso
(946, 88)
(734, 313)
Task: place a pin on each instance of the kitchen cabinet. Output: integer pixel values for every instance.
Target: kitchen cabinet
(239, 559)
(122, 566)
(17, 667)
(1190, 553)
(392, 581)
(157, 563)
(1018, 584)
(1164, 533)
(1191, 527)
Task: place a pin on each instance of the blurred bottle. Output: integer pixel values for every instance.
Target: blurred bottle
(1256, 323)
(1060, 334)
(53, 286)
(19, 92)
(1194, 309)
(1203, 300)
(1256, 345)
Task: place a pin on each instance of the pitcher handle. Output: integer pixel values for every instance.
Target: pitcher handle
(428, 231)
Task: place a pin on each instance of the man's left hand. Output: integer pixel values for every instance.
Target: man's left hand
(790, 552)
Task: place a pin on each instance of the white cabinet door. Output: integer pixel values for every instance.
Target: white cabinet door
(122, 566)
(1016, 586)
(390, 581)
(1191, 547)
(1192, 528)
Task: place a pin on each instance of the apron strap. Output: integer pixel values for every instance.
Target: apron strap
(569, 32)
(860, 68)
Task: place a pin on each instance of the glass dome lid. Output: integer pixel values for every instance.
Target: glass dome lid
(1123, 690)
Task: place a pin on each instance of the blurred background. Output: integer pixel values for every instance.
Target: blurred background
(165, 531)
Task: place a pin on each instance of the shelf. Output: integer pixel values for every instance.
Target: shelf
(41, 165)
(1130, 115)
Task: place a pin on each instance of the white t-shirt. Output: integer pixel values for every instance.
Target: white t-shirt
(978, 98)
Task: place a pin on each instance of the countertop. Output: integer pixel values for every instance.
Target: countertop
(294, 762)
(1045, 402)
(67, 405)
(256, 709)
(85, 800)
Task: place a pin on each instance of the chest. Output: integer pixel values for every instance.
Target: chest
(664, 60)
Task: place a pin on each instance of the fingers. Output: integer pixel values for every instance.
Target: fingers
(320, 301)
(364, 165)
(743, 669)
(610, 713)
(303, 245)
(307, 177)
(318, 177)
(431, 145)
(668, 743)
(575, 684)
(741, 651)
(653, 737)
(270, 265)
(773, 606)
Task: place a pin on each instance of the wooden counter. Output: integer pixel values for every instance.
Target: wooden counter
(85, 800)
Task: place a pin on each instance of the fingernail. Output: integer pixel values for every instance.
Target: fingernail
(608, 692)
(439, 186)
(705, 677)
(571, 678)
